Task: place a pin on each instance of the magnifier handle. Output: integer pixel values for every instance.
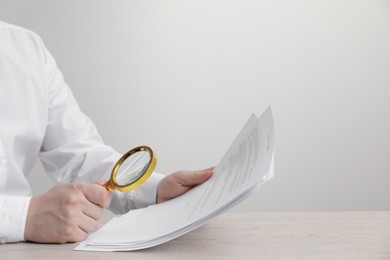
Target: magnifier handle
(108, 185)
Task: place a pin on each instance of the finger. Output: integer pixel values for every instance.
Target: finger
(75, 234)
(97, 194)
(92, 210)
(194, 177)
(87, 224)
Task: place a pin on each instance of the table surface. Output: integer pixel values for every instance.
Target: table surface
(304, 235)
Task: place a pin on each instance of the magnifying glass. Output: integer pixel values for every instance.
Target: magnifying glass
(132, 169)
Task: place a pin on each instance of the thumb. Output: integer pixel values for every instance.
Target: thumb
(101, 182)
(195, 177)
(97, 194)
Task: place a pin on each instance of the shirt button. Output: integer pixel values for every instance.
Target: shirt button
(3, 240)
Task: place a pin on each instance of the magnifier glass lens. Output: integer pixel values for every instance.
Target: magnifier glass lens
(133, 168)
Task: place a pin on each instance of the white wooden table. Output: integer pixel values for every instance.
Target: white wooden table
(320, 235)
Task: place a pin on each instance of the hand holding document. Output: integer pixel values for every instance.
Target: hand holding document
(247, 164)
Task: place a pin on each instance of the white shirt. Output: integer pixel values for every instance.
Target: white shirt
(39, 118)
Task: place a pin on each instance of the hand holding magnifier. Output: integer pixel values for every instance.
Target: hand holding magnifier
(132, 169)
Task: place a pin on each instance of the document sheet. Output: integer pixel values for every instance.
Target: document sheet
(248, 163)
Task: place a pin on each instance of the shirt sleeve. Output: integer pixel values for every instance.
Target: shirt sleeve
(13, 214)
(72, 148)
(143, 196)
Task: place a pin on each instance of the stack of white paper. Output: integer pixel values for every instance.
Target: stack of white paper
(247, 164)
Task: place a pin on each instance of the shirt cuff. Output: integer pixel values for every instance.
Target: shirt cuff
(13, 215)
(143, 196)
(146, 194)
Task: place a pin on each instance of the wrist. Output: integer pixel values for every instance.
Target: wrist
(29, 223)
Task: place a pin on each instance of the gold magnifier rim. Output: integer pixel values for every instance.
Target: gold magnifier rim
(113, 185)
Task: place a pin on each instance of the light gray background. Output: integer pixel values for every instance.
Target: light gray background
(184, 76)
